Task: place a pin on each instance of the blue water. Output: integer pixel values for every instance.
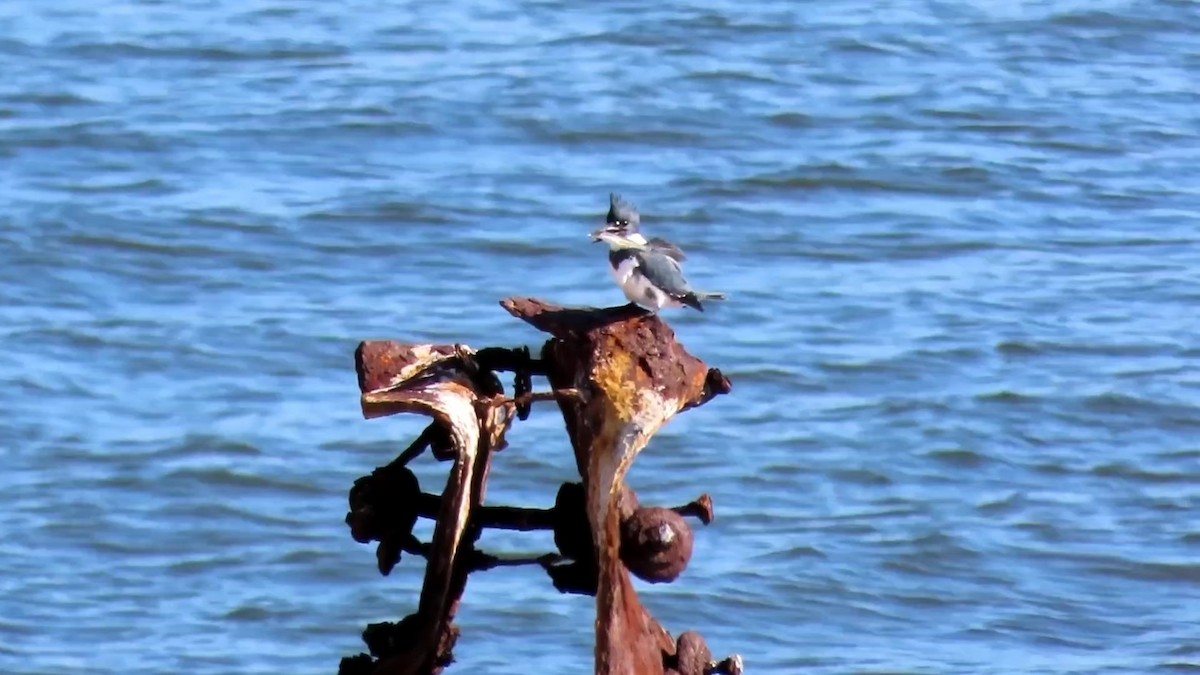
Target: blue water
(961, 242)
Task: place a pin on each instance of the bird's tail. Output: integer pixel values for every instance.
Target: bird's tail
(695, 299)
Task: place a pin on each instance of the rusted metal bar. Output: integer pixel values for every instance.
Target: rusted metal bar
(633, 376)
(617, 375)
(433, 381)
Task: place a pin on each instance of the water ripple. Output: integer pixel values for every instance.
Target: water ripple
(959, 243)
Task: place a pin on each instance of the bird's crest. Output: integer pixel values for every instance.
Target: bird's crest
(620, 211)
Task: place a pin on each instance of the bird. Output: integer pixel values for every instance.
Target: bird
(649, 271)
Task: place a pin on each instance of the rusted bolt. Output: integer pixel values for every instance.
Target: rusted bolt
(359, 664)
(702, 508)
(656, 544)
(572, 534)
(384, 502)
(387, 638)
(729, 666)
(716, 382)
(384, 508)
(692, 656)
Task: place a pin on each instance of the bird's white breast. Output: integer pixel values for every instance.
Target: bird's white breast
(638, 289)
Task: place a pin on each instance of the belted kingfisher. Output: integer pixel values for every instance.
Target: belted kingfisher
(649, 271)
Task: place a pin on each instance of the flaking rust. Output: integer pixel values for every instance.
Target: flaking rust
(618, 375)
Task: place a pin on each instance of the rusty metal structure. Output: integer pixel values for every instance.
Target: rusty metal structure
(618, 375)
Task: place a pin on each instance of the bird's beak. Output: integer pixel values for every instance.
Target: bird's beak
(596, 235)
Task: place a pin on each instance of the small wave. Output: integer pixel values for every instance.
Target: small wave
(837, 177)
(148, 185)
(1007, 397)
(856, 46)
(632, 136)
(516, 249)
(947, 114)
(620, 38)
(104, 50)
(1122, 242)
(1095, 149)
(276, 12)
(207, 564)
(249, 614)
(48, 100)
(1098, 18)
(230, 220)
(764, 374)
(1112, 402)
(975, 174)
(208, 445)
(922, 601)
(1133, 473)
(306, 557)
(864, 477)
(792, 120)
(386, 125)
(215, 511)
(905, 406)
(722, 25)
(1049, 469)
(1166, 505)
(903, 362)
(933, 563)
(853, 366)
(1185, 649)
(116, 241)
(389, 212)
(96, 134)
(959, 457)
(1181, 667)
(729, 76)
(1018, 348)
(1006, 504)
(253, 614)
(1159, 572)
(1167, 412)
(853, 183)
(932, 250)
(225, 478)
(792, 554)
(1136, 373)
(996, 128)
(1186, 455)
(1022, 348)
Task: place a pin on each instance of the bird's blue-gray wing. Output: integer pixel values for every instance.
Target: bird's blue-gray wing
(664, 272)
(667, 248)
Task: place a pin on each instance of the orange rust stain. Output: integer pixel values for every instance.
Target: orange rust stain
(616, 374)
